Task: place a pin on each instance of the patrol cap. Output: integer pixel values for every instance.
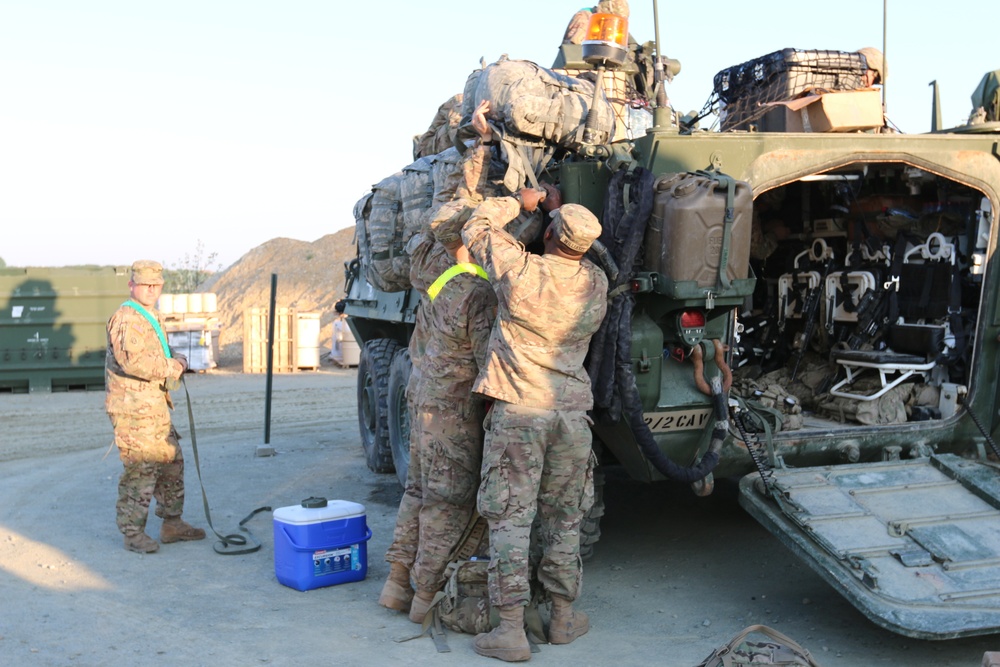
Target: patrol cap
(147, 272)
(575, 227)
(447, 223)
(875, 60)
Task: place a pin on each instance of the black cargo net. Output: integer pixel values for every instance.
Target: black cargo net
(742, 93)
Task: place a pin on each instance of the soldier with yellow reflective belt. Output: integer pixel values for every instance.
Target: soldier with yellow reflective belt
(428, 261)
(445, 457)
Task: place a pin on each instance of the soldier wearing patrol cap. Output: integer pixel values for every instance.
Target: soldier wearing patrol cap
(875, 74)
(138, 366)
(537, 456)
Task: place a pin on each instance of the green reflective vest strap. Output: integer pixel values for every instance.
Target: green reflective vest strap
(442, 280)
(152, 321)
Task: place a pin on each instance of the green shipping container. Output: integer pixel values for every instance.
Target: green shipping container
(52, 326)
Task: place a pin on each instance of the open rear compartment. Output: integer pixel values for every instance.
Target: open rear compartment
(869, 282)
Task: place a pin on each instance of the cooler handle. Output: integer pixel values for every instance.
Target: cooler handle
(299, 547)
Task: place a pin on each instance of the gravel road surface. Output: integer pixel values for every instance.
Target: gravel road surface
(674, 576)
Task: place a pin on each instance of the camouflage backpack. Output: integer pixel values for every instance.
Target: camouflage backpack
(535, 104)
(394, 214)
(779, 650)
(463, 605)
(440, 135)
(362, 209)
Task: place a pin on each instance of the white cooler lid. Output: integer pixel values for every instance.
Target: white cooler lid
(335, 509)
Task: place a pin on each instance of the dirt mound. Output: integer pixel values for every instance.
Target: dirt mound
(310, 279)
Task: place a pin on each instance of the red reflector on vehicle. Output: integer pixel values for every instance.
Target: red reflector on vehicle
(692, 319)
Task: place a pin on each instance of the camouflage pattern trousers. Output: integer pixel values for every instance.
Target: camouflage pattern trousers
(446, 448)
(535, 461)
(154, 468)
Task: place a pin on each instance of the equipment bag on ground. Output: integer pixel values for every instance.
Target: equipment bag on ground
(778, 650)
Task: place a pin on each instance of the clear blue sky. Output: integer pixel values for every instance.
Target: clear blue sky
(133, 129)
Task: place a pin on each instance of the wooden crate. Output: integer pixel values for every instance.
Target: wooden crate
(255, 325)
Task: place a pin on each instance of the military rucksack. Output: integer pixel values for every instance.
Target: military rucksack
(535, 104)
(463, 605)
(779, 650)
(395, 212)
(440, 135)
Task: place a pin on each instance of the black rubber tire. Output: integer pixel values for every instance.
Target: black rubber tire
(373, 404)
(399, 415)
(590, 527)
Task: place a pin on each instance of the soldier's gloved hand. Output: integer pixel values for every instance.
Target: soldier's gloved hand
(183, 361)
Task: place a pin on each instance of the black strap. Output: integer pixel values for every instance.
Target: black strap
(846, 294)
(955, 321)
(471, 538)
(228, 545)
(896, 268)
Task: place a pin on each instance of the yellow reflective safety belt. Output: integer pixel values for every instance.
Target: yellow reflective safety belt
(463, 267)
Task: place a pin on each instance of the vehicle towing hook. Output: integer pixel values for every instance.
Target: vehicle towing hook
(698, 359)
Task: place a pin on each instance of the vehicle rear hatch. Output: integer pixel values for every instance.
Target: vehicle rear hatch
(914, 545)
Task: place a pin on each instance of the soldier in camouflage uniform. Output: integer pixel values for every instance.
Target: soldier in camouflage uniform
(537, 456)
(138, 367)
(429, 259)
(445, 458)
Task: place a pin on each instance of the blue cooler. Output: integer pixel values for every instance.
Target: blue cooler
(320, 543)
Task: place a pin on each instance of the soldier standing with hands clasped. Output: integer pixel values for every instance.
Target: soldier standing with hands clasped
(537, 456)
(138, 366)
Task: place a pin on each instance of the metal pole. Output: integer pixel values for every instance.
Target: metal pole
(885, 53)
(270, 358)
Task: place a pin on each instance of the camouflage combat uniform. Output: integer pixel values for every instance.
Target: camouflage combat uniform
(446, 455)
(139, 405)
(428, 260)
(537, 455)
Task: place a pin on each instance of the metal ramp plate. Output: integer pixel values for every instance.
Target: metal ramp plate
(914, 545)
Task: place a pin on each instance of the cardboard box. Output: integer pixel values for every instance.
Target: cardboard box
(840, 111)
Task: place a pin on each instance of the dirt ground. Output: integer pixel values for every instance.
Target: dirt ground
(673, 576)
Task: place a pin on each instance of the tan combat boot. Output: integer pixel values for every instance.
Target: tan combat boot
(565, 624)
(141, 543)
(508, 641)
(421, 603)
(176, 530)
(397, 592)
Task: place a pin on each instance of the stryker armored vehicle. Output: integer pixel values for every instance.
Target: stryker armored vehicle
(804, 294)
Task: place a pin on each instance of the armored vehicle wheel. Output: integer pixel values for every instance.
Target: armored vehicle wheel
(590, 527)
(373, 405)
(399, 415)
